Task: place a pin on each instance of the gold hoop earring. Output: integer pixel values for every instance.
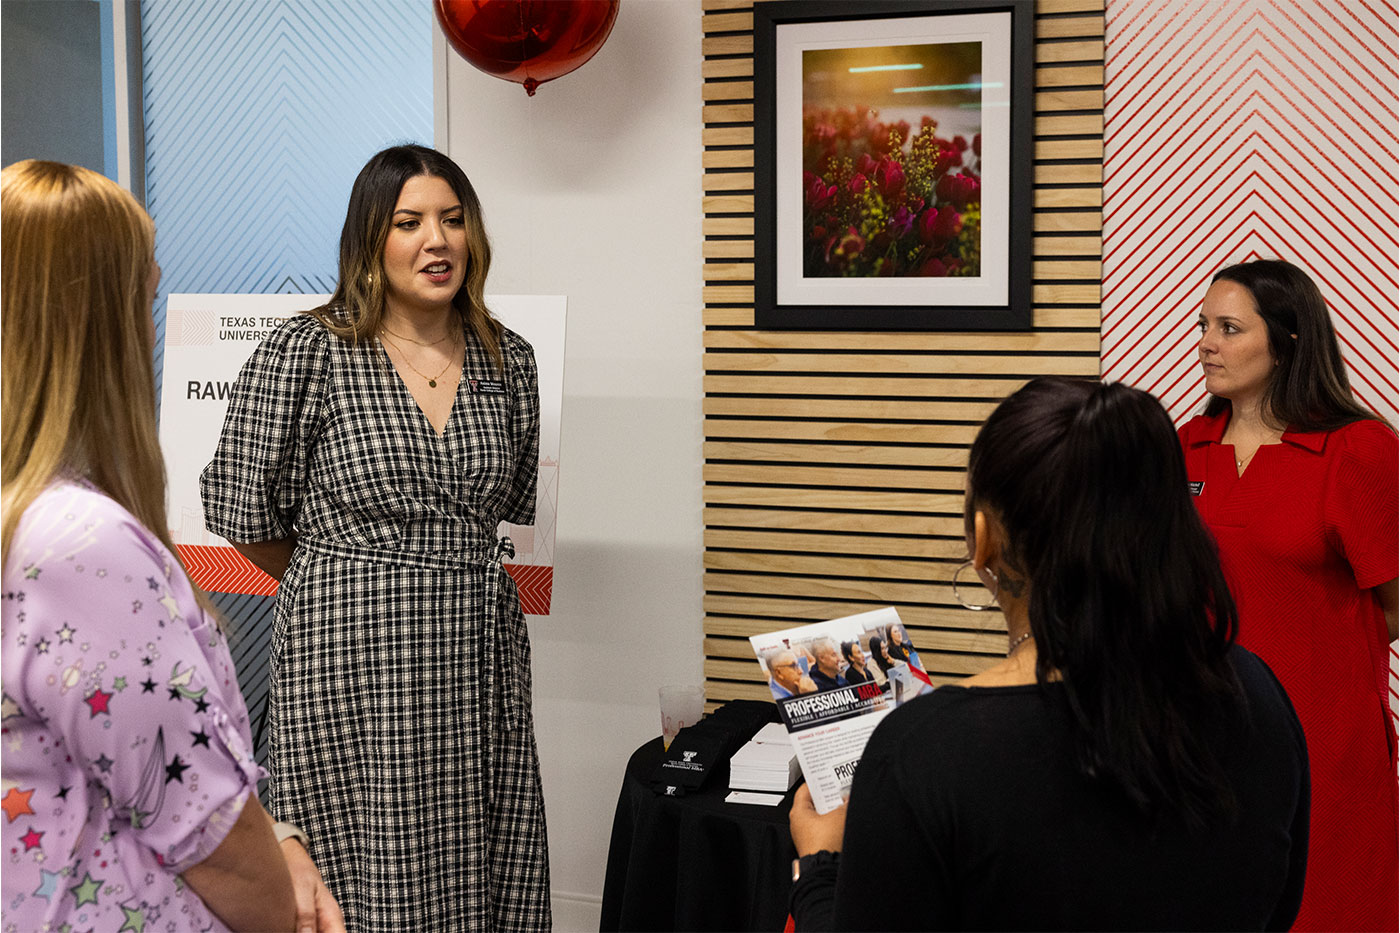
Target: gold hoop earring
(973, 606)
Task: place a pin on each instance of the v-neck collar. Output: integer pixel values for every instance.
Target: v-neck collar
(403, 386)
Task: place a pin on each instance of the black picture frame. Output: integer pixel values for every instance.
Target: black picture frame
(918, 302)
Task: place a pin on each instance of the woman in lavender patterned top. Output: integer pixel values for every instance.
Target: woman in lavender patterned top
(128, 778)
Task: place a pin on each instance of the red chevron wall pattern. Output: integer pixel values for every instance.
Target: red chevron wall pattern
(1248, 129)
(1244, 129)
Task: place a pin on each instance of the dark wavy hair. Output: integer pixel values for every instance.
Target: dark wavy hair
(357, 307)
(1308, 389)
(1128, 605)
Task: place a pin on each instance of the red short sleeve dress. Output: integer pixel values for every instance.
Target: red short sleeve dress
(1303, 535)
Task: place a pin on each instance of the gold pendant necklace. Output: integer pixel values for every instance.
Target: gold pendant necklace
(432, 380)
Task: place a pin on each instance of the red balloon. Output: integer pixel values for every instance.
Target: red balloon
(527, 41)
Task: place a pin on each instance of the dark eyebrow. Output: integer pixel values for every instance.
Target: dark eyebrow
(404, 210)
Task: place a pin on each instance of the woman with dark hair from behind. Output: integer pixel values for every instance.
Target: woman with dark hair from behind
(1126, 767)
(1298, 482)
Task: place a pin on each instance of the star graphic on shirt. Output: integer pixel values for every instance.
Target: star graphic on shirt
(9, 709)
(171, 606)
(16, 803)
(32, 573)
(119, 684)
(42, 646)
(175, 693)
(66, 633)
(201, 704)
(31, 839)
(104, 764)
(48, 884)
(86, 891)
(175, 771)
(148, 686)
(201, 738)
(146, 662)
(154, 586)
(135, 920)
(98, 700)
(63, 792)
(136, 605)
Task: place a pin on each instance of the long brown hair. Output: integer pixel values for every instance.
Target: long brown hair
(78, 384)
(1308, 389)
(357, 307)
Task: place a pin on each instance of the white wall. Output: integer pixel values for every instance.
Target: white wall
(592, 190)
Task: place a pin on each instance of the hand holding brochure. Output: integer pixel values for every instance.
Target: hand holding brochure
(833, 682)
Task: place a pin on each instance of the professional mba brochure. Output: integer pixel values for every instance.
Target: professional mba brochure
(833, 682)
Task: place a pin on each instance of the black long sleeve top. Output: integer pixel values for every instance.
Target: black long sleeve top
(968, 812)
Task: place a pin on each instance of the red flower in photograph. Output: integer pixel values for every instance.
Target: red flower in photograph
(888, 199)
(959, 189)
(890, 179)
(819, 194)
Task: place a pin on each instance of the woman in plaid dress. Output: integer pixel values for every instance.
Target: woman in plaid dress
(370, 451)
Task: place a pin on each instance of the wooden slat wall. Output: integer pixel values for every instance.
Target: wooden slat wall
(834, 461)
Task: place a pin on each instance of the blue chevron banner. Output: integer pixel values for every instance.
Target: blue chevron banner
(258, 115)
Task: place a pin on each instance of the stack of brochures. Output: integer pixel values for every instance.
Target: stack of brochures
(766, 763)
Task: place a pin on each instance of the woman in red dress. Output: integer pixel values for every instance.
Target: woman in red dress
(1298, 481)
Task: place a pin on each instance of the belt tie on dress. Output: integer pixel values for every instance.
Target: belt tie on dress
(501, 624)
(506, 685)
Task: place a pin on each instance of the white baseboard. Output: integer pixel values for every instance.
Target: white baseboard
(576, 913)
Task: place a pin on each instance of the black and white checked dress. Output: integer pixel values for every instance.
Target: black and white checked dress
(401, 736)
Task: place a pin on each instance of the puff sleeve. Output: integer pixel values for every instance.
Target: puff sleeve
(252, 489)
(110, 660)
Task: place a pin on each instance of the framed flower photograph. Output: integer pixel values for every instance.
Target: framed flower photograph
(893, 164)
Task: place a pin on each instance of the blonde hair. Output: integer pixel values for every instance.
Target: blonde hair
(77, 394)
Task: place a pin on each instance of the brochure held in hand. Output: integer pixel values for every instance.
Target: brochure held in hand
(833, 682)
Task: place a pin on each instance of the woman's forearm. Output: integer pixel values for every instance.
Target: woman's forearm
(245, 881)
(271, 557)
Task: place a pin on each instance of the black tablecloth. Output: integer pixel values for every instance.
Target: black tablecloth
(695, 862)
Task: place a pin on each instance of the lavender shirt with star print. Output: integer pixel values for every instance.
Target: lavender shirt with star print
(125, 743)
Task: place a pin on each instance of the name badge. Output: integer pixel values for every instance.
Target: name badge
(1196, 487)
(487, 386)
